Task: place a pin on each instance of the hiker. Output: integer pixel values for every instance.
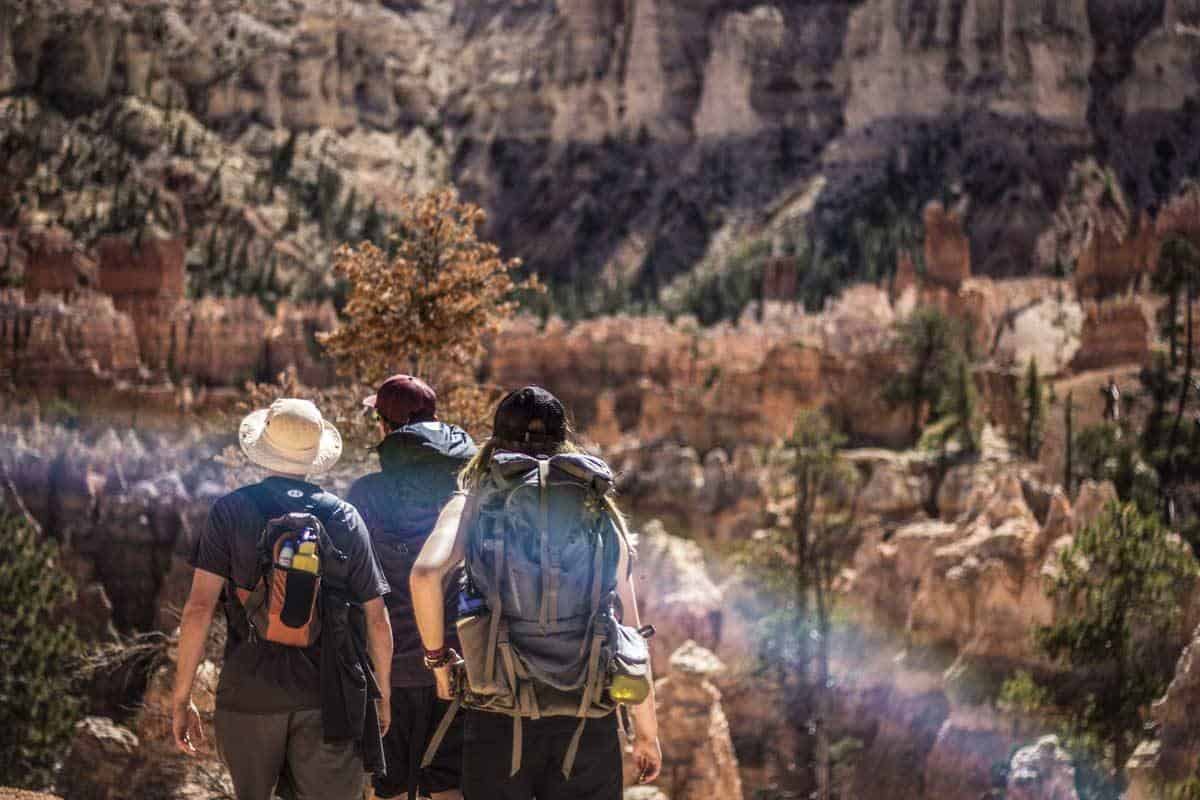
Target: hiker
(294, 568)
(1112, 400)
(547, 581)
(420, 459)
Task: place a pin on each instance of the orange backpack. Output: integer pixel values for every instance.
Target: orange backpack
(284, 605)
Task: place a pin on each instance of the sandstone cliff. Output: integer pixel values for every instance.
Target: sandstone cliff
(560, 118)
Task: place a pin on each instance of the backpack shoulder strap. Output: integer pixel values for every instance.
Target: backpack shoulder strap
(321, 505)
(549, 598)
(269, 508)
(263, 500)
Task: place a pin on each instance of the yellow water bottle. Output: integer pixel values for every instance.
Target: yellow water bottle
(306, 558)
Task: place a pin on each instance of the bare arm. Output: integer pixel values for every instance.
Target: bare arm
(193, 633)
(379, 643)
(442, 551)
(444, 548)
(646, 750)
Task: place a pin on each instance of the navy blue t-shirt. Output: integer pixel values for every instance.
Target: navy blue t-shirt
(266, 677)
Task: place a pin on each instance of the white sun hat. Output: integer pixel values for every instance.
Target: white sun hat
(290, 437)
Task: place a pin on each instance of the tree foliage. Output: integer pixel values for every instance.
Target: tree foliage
(427, 307)
(799, 562)
(1120, 583)
(931, 346)
(958, 409)
(1033, 411)
(38, 655)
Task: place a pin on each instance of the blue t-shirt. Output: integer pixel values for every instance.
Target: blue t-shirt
(260, 676)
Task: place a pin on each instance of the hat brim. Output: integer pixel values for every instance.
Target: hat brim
(369, 402)
(264, 454)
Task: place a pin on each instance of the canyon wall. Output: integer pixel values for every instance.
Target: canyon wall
(560, 117)
(136, 326)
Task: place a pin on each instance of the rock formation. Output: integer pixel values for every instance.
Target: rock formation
(1181, 216)
(101, 759)
(557, 116)
(146, 281)
(973, 579)
(1042, 771)
(57, 265)
(1174, 754)
(107, 761)
(68, 348)
(119, 504)
(679, 598)
(698, 758)
(1114, 333)
(947, 249)
(90, 346)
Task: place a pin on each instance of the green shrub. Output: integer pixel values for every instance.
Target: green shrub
(38, 656)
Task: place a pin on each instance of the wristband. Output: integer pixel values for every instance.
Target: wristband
(442, 657)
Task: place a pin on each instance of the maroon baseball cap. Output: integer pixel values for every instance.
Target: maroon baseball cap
(403, 399)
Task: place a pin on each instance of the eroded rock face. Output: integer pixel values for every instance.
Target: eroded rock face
(964, 755)
(676, 594)
(71, 347)
(1174, 754)
(118, 503)
(57, 265)
(553, 115)
(974, 578)
(102, 756)
(1114, 333)
(906, 715)
(1181, 216)
(1042, 771)
(698, 758)
(94, 342)
(947, 249)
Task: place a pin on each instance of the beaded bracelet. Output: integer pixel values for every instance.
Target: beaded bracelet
(442, 657)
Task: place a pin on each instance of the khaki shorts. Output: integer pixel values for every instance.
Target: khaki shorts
(260, 749)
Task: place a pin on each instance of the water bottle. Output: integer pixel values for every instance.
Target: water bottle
(470, 602)
(306, 558)
(286, 554)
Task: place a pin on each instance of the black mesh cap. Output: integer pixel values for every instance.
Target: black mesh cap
(519, 413)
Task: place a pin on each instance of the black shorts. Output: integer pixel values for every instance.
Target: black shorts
(415, 716)
(489, 740)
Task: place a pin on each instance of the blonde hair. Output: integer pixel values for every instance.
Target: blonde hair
(476, 470)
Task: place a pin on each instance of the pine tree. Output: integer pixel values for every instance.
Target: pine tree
(346, 220)
(282, 160)
(960, 405)
(1069, 445)
(1122, 581)
(38, 660)
(210, 260)
(1033, 411)
(373, 225)
(929, 341)
(227, 263)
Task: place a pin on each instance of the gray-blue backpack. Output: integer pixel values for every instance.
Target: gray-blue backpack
(542, 554)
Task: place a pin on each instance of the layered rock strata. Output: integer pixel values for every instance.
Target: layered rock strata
(561, 117)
